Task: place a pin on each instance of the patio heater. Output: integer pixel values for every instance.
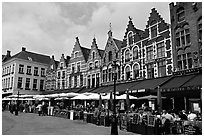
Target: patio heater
(114, 126)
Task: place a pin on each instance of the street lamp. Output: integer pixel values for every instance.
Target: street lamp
(114, 126)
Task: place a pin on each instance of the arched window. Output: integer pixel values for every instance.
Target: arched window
(96, 64)
(130, 38)
(127, 55)
(180, 14)
(93, 55)
(110, 56)
(127, 73)
(136, 71)
(135, 53)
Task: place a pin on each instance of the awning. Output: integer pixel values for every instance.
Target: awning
(122, 87)
(103, 89)
(195, 81)
(149, 83)
(176, 82)
(86, 90)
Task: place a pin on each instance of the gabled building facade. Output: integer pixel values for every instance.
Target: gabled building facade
(61, 81)
(77, 67)
(94, 66)
(147, 54)
(186, 32)
(111, 53)
(51, 75)
(24, 72)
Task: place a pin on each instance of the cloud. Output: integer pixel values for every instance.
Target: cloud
(51, 28)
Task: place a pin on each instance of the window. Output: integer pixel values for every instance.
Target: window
(150, 53)
(200, 29)
(127, 56)
(81, 80)
(184, 61)
(13, 69)
(97, 80)
(73, 68)
(93, 80)
(59, 74)
(160, 50)
(27, 83)
(28, 70)
(8, 83)
(130, 38)
(127, 72)
(11, 83)
(41, 84)
(21, 69)
(150, 71)
(43, 72)
(76, 54)
(89, 82)
(110, 56)
(109, 74)
(135, 53)
(75, 81)
(61, 65)
(20, 80)
(96, 64)
(154, 31)
(136, 71)
(63, 84)
(78, 67)
(104, 76)
(35, 83)
(35, 71)
(90, 65)
(93, 55)
(63, 74)
(161, 68)
(180, 14)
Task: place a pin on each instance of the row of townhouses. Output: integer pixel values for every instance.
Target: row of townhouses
(159, 50)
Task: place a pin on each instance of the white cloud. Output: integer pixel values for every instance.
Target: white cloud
(51, 28)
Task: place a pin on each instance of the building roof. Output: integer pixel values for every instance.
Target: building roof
(85, 52)
(101, 52)
(118, 43)
(26, 55)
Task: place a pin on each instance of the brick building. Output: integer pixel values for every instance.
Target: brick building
(61, 81)
(147, 54)
(186, 32)
(111, 53)
(77, 67)
(94, 66)
(51, 75)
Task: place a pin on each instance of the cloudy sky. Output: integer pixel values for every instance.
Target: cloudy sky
(51, 28)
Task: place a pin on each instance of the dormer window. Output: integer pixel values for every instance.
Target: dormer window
(180, 14)
(135, 53)
(153, 31)
(130, 38)
(110, 56)
(96, 64)
(91, 66)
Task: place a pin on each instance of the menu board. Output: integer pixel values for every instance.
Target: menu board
(151, 120)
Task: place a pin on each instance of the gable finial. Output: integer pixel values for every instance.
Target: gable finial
(110, 26)
(130, 18)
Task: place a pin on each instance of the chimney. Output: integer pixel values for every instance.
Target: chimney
(8, 53)
(23, 49)
(53, 57)
(68, 57)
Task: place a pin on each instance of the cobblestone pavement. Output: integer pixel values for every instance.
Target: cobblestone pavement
(32, 124)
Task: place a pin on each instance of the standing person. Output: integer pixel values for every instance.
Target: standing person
(39, 107)
(191, 116)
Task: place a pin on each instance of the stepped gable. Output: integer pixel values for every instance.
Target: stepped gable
(154, 15)
(31, 56)
(85, 52)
